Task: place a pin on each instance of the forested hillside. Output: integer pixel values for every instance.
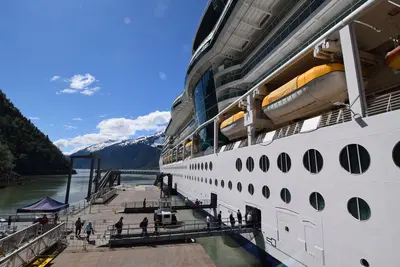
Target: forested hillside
(23, 147)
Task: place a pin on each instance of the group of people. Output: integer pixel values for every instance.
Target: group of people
(143, 224)
(88, 229)
(248, 220)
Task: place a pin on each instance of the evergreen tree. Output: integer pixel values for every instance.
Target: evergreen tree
(6, 159)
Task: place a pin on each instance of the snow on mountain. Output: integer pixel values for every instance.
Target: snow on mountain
(153, 140)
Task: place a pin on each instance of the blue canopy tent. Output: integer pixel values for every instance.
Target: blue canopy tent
(46, 204)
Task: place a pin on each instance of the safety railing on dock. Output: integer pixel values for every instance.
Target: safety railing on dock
(164, 203)
(15, 240)
(27, 252)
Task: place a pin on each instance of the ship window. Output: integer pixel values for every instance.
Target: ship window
(211, 166)
(222, 183)
(265, 191)
(239, 165)
(201, 179)
(216, 182)
(317, 201)
(312, 161)
(285, 195)
(251, 189)
(198, 166)
(206, 165)
(284, 162)
(364, 262)
(239, 187)
(205, 180)
(195, 166)
(354, 158)
(230, 185)
(264, 163)
(396, 154)
(202, 166)
(359, 209)
(198, 179)
(210, 180)
(250, 164)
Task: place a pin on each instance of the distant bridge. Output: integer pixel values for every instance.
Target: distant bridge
(116, 171)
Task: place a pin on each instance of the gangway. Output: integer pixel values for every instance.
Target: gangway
(151, 206)
(132, 234)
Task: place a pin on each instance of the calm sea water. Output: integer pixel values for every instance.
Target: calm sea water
(55, 186)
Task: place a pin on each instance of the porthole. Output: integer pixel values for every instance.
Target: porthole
(285, 195)
(216, 182)
(211, 166)
(251, 189)
(284, 162)
(198, 166)
(198, 179)
(264, 163)
(190, 167)
(317, 201)
(359, 209)
(195, 166)
(364, 263)
(205, 180)
(206, 165)
(265, 191)
(396, 154)
(250, 164)
(210, 180)
(312, 161)
(202, 166)
(222, 183)
(239, 165)
(286, 229)
(230, 185)
(239, 187)
(355, 159)
(201, 179)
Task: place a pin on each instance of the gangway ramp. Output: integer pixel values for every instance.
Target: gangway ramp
(153, 205)
(132, 234)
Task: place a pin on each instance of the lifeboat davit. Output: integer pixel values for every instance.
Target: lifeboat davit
(392, 59)
(309, 93)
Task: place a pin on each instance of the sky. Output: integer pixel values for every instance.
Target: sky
(87, 71)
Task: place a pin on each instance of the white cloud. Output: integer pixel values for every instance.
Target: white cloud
(103, 116)
(117, 129)
(68, 91)
(77, 119)
(69, 127)
(162, 75)
(90, 91)
(161, 8)
(34, 118)
(127, 20)
(79, 81)
(55, 78)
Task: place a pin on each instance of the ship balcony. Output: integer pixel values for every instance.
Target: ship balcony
(229, 97)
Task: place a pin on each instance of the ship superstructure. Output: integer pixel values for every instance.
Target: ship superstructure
(291, 111)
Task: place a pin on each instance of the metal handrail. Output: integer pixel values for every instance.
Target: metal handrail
(165, 203)
(11, 242)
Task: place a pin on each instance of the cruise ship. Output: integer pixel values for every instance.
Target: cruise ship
(291, 111)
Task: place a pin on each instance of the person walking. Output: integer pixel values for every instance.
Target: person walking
(143, 225)
(89, 230)
(78, 227)
(119, 226)
(144, 203)
(239, 216)
(232, 220)
(156, 223)
(219, 220)
(208, 222)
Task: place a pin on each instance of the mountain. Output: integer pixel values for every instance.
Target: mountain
(23, 147)
(140, 153)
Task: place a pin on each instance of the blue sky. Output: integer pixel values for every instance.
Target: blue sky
(86, 71)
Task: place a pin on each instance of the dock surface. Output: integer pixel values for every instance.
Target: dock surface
(174, 256)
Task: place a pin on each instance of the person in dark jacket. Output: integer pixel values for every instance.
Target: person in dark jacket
(232, 220)
(78, 227)
(119, 225)
(239, 216)
(219, 220)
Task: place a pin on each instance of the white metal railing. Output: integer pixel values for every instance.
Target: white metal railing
(383, 103)
(30, 250)
(106, 196)
(12, 242)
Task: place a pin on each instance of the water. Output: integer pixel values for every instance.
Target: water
(55, 186)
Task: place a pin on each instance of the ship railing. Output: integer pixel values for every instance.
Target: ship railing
(134, 230)
(23, 253)
(383, 103)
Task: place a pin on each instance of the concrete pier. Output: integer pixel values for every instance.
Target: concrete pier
(80, 253)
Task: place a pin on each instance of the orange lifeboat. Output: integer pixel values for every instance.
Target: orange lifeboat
(392, 59)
